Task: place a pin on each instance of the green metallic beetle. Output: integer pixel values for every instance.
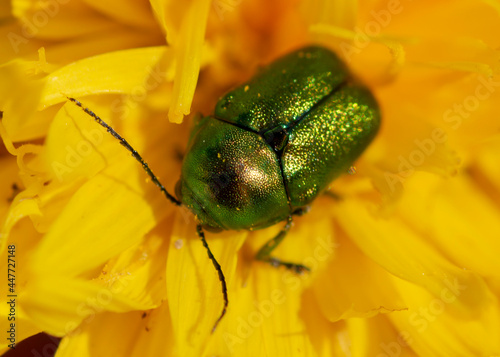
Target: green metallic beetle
(276, 142)
(272, 146)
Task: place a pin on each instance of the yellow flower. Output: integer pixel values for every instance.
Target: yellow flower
(403, 264)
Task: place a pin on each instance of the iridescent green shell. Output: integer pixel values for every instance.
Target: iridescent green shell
(276, 142)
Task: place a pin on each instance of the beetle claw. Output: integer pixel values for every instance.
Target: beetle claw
(301, 269)
(295, 268)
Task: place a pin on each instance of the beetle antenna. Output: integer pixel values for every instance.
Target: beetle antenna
(127, 146)
(218, 268)
(171, 198)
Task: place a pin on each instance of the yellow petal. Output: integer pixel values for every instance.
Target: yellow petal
(341, 13)
(188, 53)
(19, 209)
(23, 328)
(58, 20)
(378, 337)
(400, 251)
(140, 270)
(19, 244)
(462, 221)
(130, 12)
(264, 319)
(165, 13)
(19, 95)
(5, 9)
(327, 338)
(341, 288)
(156, 338)
(73, 146)
(7, 180)
(103, 74)
(486, 172)
(60, 311)
(141, 334)
(266, 303)
(434, 329)
(193, 287)
(105, 228)
(119, 38)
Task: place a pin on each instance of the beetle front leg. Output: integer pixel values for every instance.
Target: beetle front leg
(264, 253)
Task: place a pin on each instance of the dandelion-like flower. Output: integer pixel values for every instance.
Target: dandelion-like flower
(403, 253)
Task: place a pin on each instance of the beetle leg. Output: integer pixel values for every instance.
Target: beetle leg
(218, 268)
(264, 254)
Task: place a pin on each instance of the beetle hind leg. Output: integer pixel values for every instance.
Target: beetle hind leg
(264, 253)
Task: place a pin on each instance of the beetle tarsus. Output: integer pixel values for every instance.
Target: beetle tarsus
(295, 268)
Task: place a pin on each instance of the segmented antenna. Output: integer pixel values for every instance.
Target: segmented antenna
(127, 146)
